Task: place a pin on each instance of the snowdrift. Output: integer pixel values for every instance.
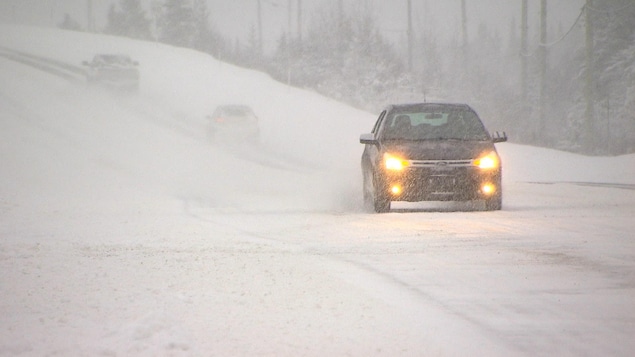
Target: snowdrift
(124, 232)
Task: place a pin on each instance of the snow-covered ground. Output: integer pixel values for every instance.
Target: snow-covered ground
(123, 232)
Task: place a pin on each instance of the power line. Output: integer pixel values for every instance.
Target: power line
(612, 11)
(585, 7)
(550, 44)
(566, 34)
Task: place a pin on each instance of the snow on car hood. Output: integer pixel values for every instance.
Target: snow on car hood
(439, 149)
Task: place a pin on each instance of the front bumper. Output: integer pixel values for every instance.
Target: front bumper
(442, 182)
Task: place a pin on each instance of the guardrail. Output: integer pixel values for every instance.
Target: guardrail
(58, 68)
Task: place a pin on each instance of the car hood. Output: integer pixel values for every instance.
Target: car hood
(439, 149)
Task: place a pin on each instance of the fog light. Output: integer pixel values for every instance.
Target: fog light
(395, 189)
(488, 189)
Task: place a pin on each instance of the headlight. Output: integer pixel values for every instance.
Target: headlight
(394, 163)
(489, 161)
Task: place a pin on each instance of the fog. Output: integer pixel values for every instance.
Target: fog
(123, 231)
(486, 66)
(235, 19)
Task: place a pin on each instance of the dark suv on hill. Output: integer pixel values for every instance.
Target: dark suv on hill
(114, 71)
(430, 152)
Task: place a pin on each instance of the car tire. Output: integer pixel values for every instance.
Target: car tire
(494, 203)
(254, 140)
(368, 200)
(381, 203)
(211, 136)
(373, 202)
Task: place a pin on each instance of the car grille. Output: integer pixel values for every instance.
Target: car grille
(440, 163)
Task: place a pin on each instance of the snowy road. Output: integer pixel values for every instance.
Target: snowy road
(122, 232)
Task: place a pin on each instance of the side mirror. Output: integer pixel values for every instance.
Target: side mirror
(368, 139)
(498, 138)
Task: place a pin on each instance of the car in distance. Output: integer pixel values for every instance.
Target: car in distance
(235, 123)
(114, 71)
(430, 152)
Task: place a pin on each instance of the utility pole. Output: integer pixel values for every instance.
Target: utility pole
(290, 19)
(340, 32)
(300, 21)
(588, 87)
(543, 67)
(53, 5)
(340, 17)
(524, 42)
(260, 47)
(340, 8)
(409, 34)
(464, 34)
(90, 23)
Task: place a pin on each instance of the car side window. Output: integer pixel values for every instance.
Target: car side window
(378, 122)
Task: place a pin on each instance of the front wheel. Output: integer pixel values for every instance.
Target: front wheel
(374, 200)
(211, 136)
(381, 202)
(494, 203)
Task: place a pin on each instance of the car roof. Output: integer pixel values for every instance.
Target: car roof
(234, 106)
(114, 57)
(427, 106)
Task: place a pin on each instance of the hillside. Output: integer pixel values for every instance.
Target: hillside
(124, 232)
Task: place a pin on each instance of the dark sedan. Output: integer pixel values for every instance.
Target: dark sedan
(430, 152)
(231, 124)
(113, 71)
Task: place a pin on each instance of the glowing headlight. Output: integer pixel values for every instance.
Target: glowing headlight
(488, 189)
(489, 161)
(394, 163)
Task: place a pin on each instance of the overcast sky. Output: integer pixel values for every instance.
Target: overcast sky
(236, 18)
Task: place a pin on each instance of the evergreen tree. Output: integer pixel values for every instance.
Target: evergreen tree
(613, 91)
(344, 57)
(129, 21)
(69, 23)
(205, 37)
(116, 21)
(176, 25)
(614, 73)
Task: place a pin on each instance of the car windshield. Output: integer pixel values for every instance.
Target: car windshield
(236, 111)
(235, 114)
(434, 124)
(112, 59)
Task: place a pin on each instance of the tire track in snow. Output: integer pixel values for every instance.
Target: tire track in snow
(386, 285)
(624, 186)
(258, 154)
(61, 69)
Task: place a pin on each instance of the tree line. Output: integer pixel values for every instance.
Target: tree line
(561, 94)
